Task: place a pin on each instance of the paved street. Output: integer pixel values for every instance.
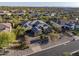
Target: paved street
(59, 50)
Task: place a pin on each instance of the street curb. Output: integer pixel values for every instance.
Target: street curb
(48, 48)
(74, 52)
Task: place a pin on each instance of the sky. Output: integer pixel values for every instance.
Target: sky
(41, 4)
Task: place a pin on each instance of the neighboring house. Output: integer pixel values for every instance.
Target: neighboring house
(72, 24)
(18, 12)
(5, 27)
(2, 13)
(34, 14)
(46, 14)
(8, 13)
(58, 21)
(53, 14)
(68, 26)
(7, 17)
(76, 25)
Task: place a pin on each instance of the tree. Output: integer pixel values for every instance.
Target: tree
(44, 18)
(24, 43)
(54, 36)
(15, 21)
(6, 38)
(20, 30)
(1, 19)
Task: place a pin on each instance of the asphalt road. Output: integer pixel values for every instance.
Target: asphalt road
(59, 50)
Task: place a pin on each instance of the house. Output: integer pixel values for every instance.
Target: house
(37, 27)
(40, 27)
(34, 15)
(76, 25)
(2, 13)
(46, 14)
(8, 13)
(18, 12)
(5, 27)
(53, 14)
(26, 23)
(7, 17)
(68, 26)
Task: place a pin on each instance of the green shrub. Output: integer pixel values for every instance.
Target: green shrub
(6, 38)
